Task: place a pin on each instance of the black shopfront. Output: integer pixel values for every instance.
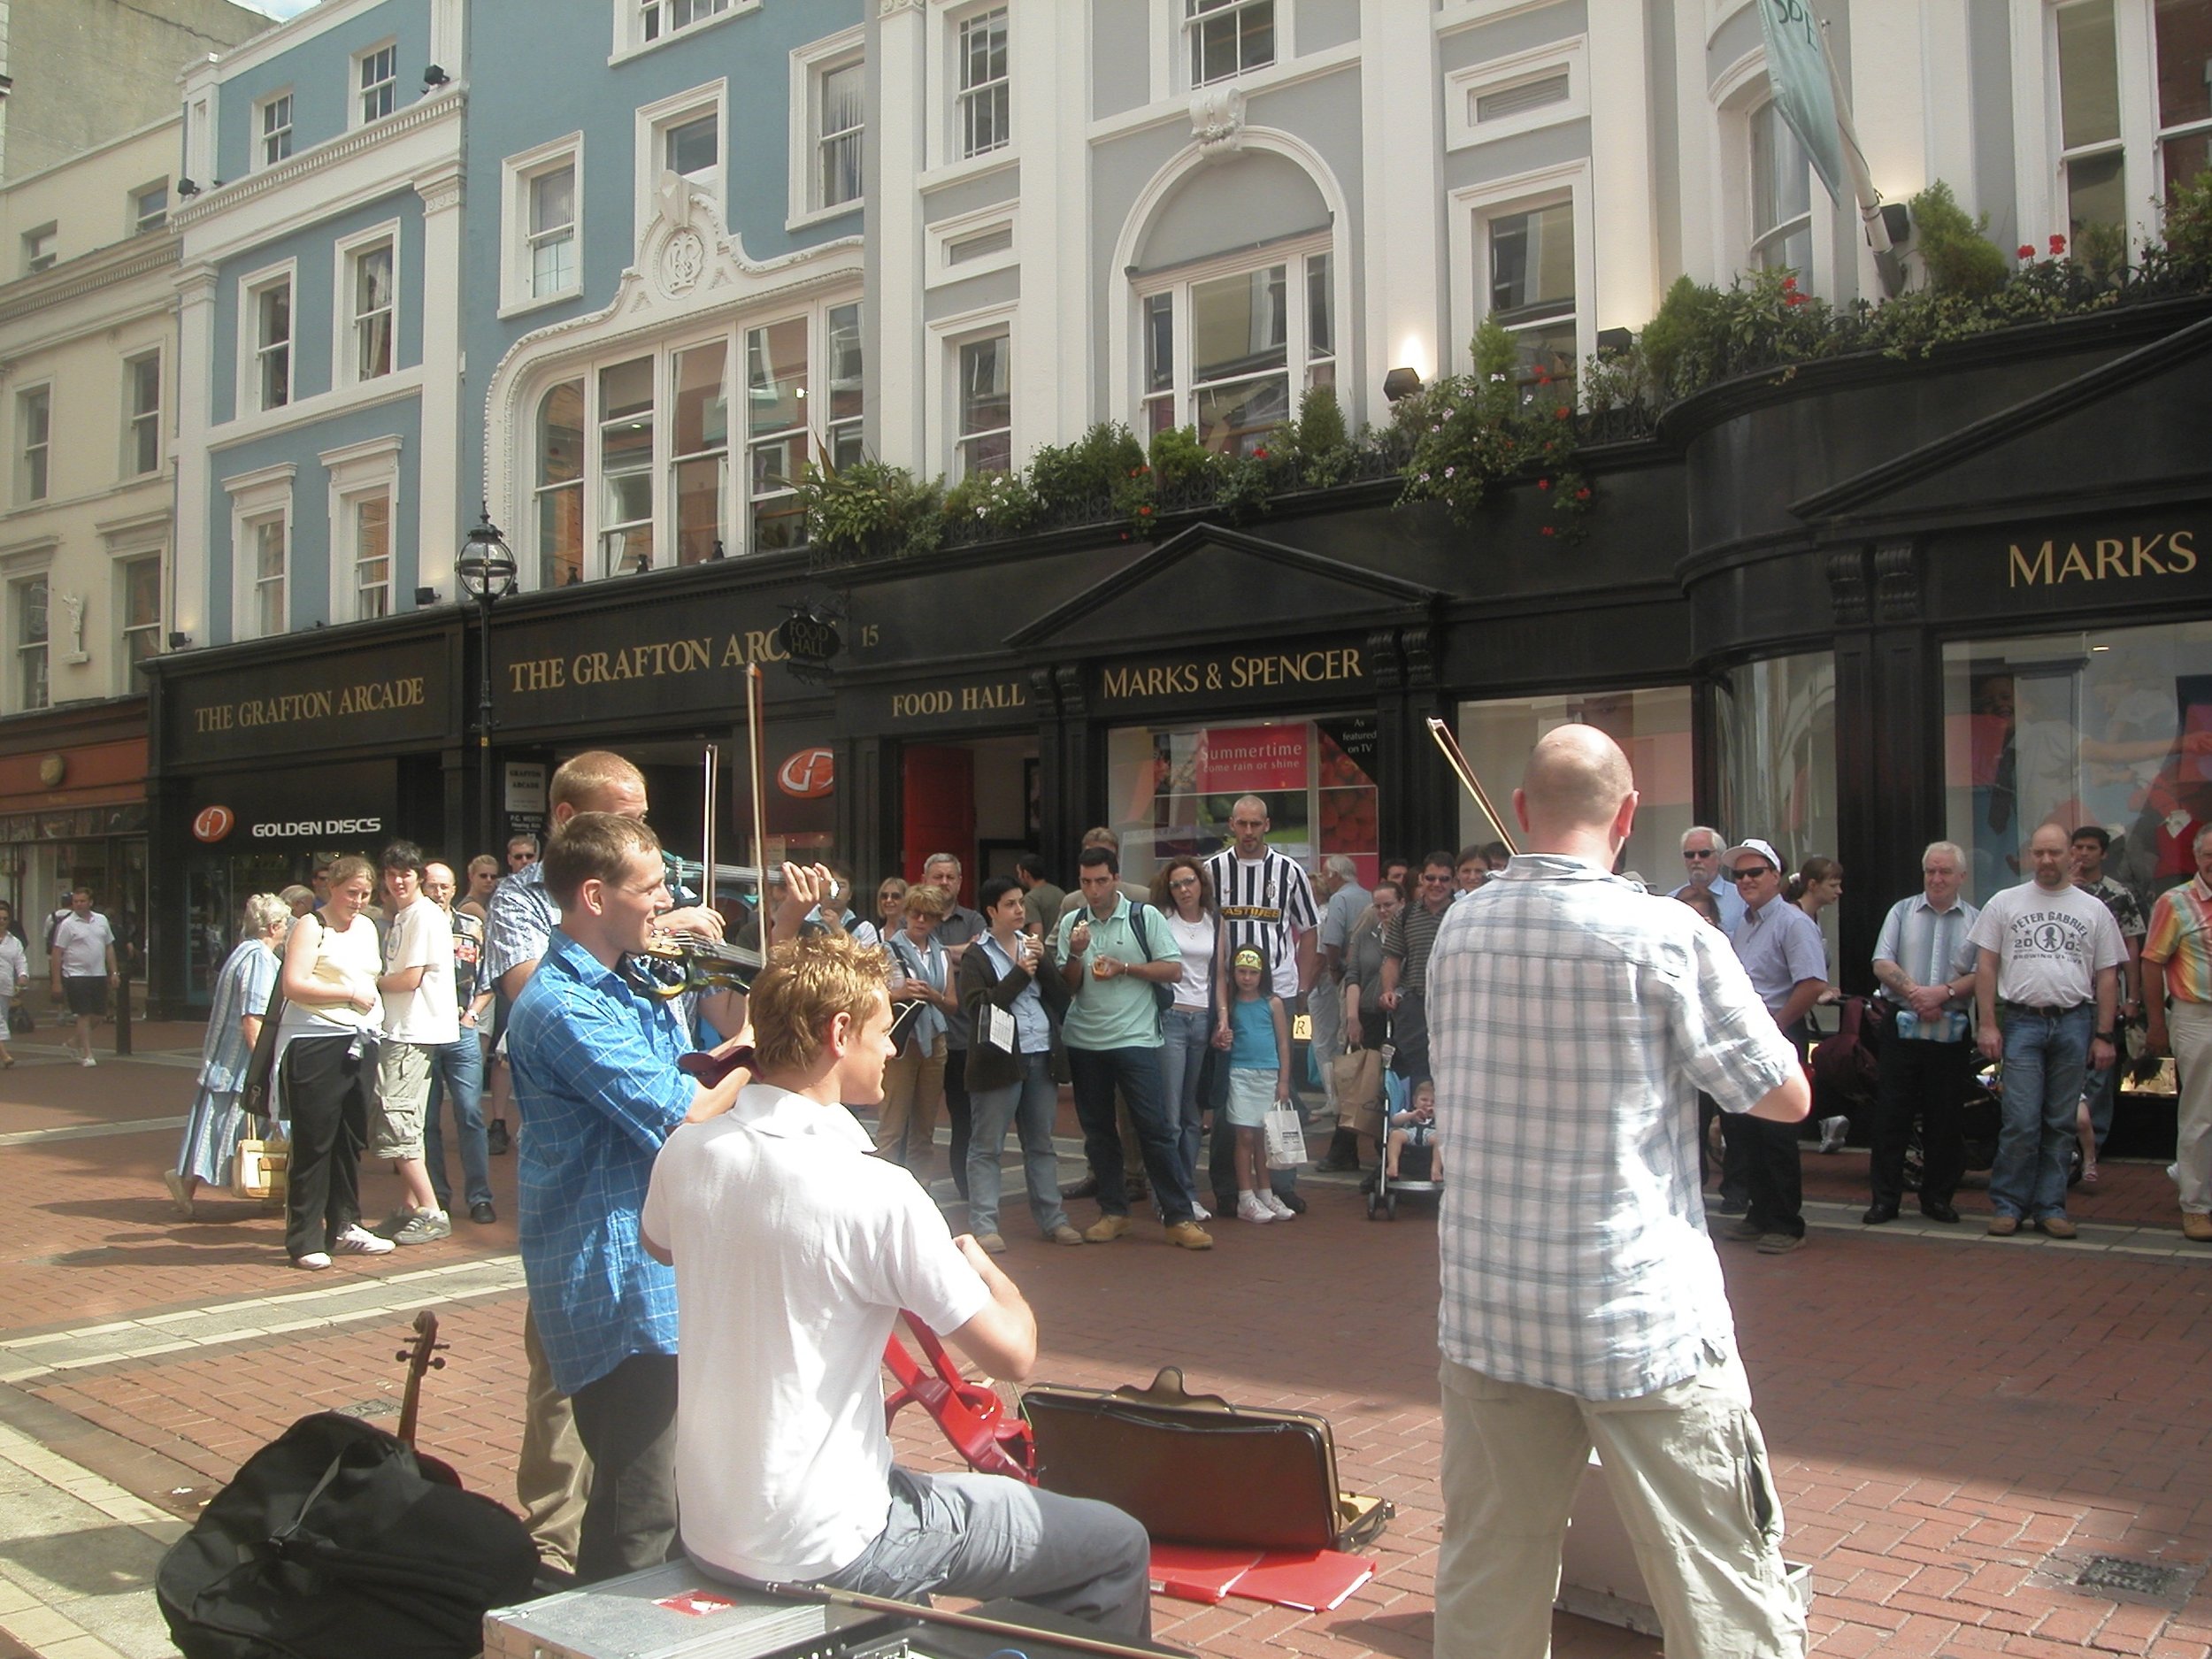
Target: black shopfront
(1851, 610)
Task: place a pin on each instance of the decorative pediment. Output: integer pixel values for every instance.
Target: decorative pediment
(1213, 582)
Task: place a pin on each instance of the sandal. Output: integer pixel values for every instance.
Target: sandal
(2089, 1175)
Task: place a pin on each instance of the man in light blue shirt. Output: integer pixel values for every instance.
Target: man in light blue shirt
(1781, 948)
(1112, 1035)
(1925, 965)
(1702, 850)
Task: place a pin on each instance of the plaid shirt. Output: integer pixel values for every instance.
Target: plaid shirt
(1573, 1020)
(521, 916)
(594, 1071)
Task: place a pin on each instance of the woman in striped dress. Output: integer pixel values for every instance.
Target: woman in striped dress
(216, 1126)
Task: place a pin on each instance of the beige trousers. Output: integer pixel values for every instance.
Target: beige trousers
(913, 1094)
(1687, 1469)
(552, 1471)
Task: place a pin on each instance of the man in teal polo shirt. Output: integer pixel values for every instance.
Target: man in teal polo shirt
(1112, 1035)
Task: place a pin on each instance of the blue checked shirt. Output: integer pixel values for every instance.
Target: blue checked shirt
(1931, 946)
(1573, 1020)
(520, 920)
(595, 1076)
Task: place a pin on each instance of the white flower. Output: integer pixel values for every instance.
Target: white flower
(1449, 470)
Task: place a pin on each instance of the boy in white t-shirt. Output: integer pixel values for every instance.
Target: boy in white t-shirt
(795, 1250)
(2045, 986)
(420, 1016)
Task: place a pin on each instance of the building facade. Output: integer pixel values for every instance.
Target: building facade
(746, 237)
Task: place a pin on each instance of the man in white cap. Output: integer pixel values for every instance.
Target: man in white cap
(1781, 948)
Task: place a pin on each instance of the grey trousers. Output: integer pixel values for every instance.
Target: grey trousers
(988, 1536)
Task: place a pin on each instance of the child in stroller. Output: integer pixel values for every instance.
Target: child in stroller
(1410, 1153)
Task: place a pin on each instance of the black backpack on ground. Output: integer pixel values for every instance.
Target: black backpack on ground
(336, 1541)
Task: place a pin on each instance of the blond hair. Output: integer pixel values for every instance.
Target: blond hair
(349, 868)
(928, 899)
(808, 982)
(581, 779)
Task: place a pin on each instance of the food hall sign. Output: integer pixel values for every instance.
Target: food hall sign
(1232, 672)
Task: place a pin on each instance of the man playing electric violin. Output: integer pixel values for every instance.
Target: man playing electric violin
(793, 1251)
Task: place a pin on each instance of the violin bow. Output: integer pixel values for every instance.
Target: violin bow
(1456, 759)
(755, 741)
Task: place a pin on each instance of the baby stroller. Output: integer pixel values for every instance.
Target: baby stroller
(1416, 1159)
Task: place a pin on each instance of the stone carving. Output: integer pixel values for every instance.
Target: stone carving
(1217, 120)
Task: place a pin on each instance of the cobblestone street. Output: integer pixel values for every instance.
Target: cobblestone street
(1959, 1425)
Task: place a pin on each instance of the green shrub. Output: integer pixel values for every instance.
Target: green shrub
(1068, 478)
(1676, 345)
(871, 510)
(2188, 248)
(1955, 250)
(996, 504)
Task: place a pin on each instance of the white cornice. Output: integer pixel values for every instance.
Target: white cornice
(88, 273)
(331, 153)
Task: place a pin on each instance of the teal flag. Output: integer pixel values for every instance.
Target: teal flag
(1804, 92)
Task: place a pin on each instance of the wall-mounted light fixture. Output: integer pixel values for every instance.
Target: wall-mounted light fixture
(434, 76)
(425, 596)
(1401, 383)
(177, 641)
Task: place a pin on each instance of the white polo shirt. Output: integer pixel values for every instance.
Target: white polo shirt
(794, 1251)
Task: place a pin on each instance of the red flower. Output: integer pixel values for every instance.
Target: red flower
(2026, 251)
(2058, 246)
(1144, 512)
(1583, 494)
(1561, 412)
(1543, 377)
(1547, 530)
(1259, 455)
(1789, 285)
(1543, 483)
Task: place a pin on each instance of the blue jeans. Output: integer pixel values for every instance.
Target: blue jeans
(2045, 1060)
(1187, 1032)
(1095, 1072)
(457, 1068)
(1029, 1105)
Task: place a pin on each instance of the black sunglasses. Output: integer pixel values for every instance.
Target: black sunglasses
(1752, 874)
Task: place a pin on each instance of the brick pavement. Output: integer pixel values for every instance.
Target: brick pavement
(1955, 1423)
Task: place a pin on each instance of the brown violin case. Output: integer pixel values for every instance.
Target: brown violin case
(1196, 1470)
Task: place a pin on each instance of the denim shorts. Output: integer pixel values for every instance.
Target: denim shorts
(1251, 1091)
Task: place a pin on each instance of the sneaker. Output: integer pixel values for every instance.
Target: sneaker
(1199, 1212)
(2196, 1226)
(2057, 1227)
(2004, 1227)
(1106, 1229)
(393, 1225)
(990, 1243)
(87, 1059)
(495, 1137)
(1281, 1210)
(483, 1213)
(1291, 1202)
(179, 1196)
(1721, 1205)
(1745, 1230)
(1780, 1243)
(1065, 1234)
(1188, 1235)
(1832, 1130)
(358, 1241)
(426, 1226)
(313, 1261)
(1251, 1209)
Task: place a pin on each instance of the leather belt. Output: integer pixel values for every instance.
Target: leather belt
(2047, 1011)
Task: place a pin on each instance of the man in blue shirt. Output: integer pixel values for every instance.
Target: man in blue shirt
(1781, 948)
(597, 1076)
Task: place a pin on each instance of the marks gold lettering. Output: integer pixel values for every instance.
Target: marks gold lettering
(2050, 563)
(1259, 671)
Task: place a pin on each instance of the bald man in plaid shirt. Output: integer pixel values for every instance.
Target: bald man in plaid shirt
(1573, 1019)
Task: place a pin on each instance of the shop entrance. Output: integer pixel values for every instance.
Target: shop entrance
(977, 799)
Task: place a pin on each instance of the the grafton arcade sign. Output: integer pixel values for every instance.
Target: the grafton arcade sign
(658, 659)
(2054, 562)
(328, 703)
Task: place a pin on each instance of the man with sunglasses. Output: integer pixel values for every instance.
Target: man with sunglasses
(1781, 948)
(1701, 849)
(1405, 968)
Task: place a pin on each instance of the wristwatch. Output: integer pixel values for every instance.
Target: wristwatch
(2103, 1036)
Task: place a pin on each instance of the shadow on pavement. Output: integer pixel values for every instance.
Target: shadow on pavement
(117, 1560)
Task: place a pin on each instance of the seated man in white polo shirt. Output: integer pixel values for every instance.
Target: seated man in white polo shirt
(795, 1250)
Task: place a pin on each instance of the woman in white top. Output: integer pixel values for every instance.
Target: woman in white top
(15, 973)
(1183, 893)
(327, 1046)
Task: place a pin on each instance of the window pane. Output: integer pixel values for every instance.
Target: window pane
(1320, 307)
(561, 433)
(846, 393)
(142, 592)
(1778, 737)
(626, 389)
(553, 266)
(146, 386)
(842, 120)
(31, 615)
(2096, 194)
(371, 556)
(1233, 418)
(2088, 75)
(1159, 343)
(1652, 728)
(1532, 261)
(561, 536)
(372, 311)
(702, 411)
(985, 406)
(775, 375)
(276, 314)
(553, 199)
(694, 147)
(1239, 324)
(2181, 159)
(2184, 61)
(1781, 183)
(699, 489)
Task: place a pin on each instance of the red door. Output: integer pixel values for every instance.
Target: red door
(938, 810)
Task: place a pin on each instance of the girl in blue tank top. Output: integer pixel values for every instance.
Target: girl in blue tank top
(1259, 1075)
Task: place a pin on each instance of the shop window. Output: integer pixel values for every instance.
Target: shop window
(372, 306)
(1777, 746)
(33, 442)
(1652, 728)
(985, 439)
(142, 417)
(984, 110)
(30, 643)
(376, 82)
(274, 129)
(560, 486)
(138, 611)
(1531, 290)
(1170, 788)
(1232, 353)
(40, 249)
(2112, 728)
(149, 208)
(1228, 37)
(1781, 195)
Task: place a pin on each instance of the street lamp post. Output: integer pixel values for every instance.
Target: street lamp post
(486, 573)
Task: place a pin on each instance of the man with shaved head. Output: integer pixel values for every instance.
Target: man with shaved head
(1573, 1021)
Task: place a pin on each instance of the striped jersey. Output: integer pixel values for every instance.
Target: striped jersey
(1267, 901)
(2180, 940)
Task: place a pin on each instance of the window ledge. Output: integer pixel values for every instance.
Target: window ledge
(402, 383)
(822, 215)
(629, 54)
(1005, 156)
(538, 303)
